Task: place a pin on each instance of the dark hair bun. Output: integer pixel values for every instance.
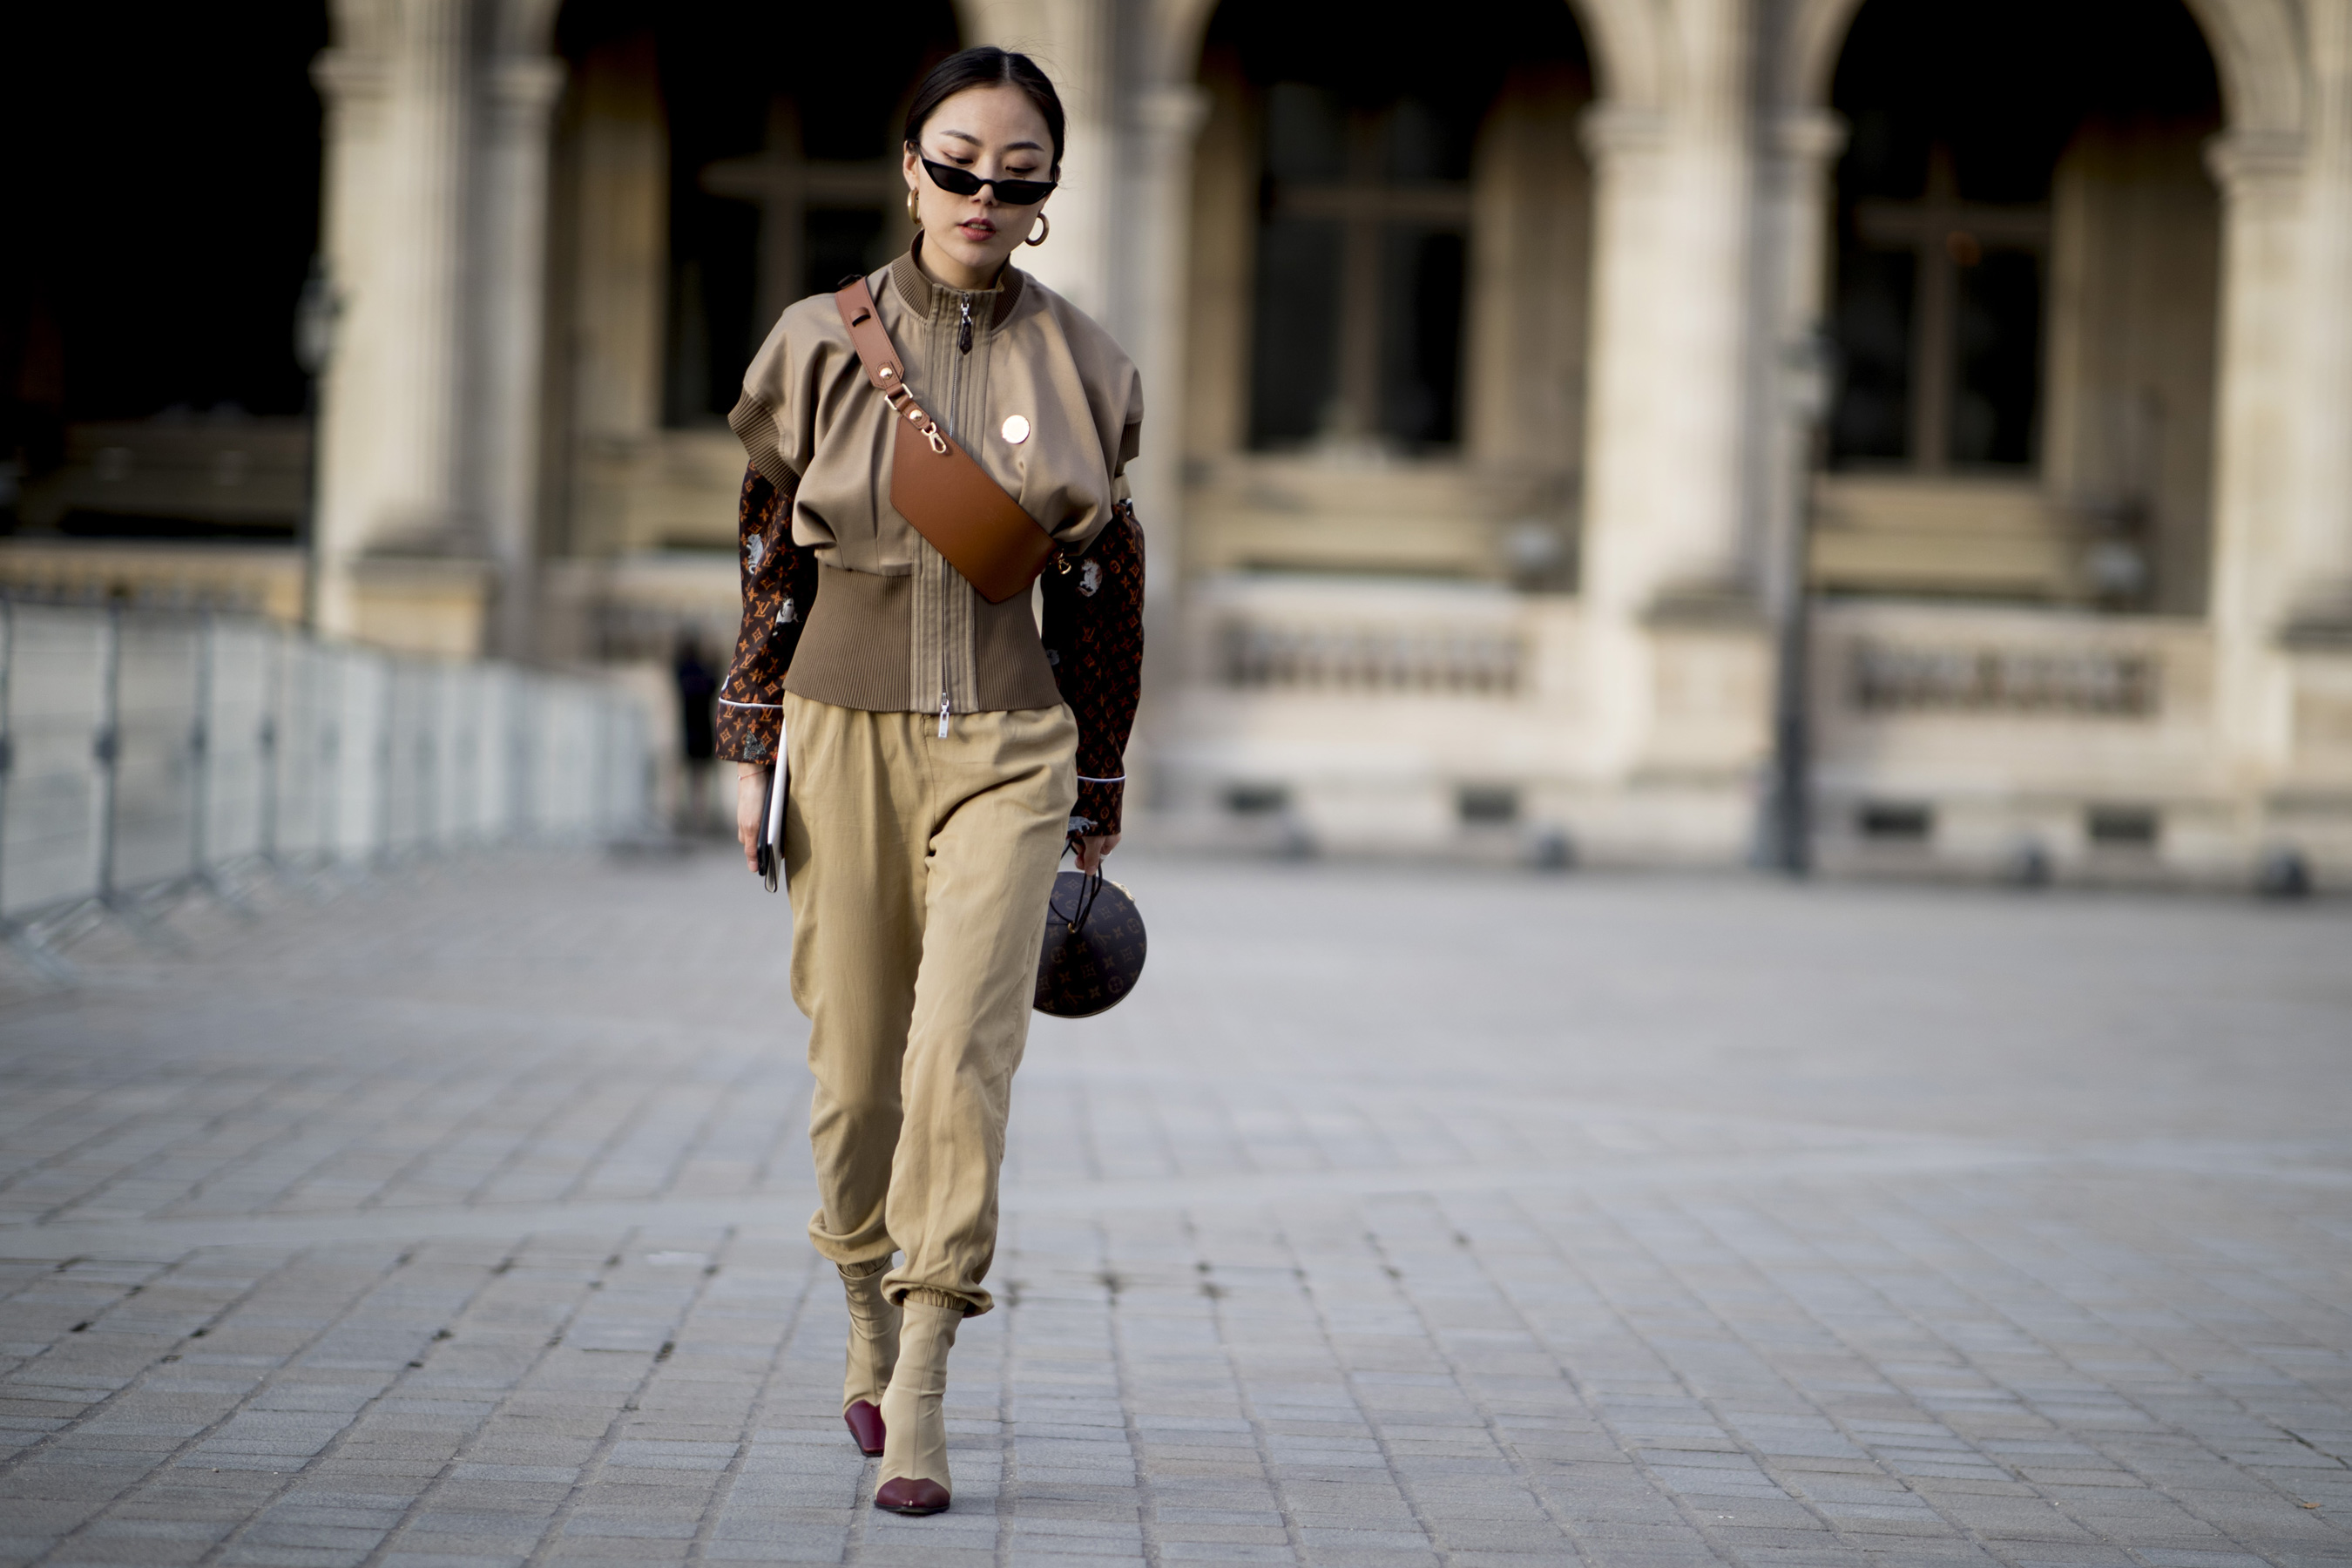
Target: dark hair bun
(985, 67)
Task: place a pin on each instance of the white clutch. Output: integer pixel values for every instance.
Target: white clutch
(772, 832)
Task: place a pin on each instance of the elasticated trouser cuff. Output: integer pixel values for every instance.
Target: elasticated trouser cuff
(925, 1295)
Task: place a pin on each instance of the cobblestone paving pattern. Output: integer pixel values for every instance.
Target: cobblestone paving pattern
(1403, 1217)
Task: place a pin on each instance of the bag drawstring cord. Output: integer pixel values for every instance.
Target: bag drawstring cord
(1088, 892)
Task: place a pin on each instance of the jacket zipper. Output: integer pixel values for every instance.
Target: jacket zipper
(955, 400)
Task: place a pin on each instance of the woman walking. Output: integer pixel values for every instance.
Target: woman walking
(940, 751)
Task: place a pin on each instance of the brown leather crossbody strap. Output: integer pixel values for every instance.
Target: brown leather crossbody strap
(875, 351)
(935, 484)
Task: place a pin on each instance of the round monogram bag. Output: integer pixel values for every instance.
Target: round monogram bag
(1094, 947)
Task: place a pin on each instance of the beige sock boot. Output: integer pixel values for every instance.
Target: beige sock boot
(915, 1454)
(873, 1351)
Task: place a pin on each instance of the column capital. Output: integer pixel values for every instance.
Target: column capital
(347, 78)
(1613, 130)
(1172, 110)
(1812, 135)
(2249, 161)
(522, 90)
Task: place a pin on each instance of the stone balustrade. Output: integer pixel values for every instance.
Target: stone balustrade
(146, 755)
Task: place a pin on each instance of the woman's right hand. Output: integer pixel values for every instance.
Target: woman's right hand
(750, 809)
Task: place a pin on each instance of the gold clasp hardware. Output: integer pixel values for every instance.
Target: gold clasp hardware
(938, 442)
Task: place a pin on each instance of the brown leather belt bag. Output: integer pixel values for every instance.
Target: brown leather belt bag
(934, 483)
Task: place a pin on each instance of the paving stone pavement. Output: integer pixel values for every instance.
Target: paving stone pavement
(1403, 1217)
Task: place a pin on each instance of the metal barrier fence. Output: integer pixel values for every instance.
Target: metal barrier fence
(144, 755)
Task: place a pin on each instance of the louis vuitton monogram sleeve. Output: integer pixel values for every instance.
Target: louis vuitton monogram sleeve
(1093, 634)
(779, 581)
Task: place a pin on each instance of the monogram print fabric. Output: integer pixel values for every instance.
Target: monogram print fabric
(1094, 640)
(1090, 970)
(779, 585)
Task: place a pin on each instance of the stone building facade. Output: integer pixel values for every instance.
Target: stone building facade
(1520, 373)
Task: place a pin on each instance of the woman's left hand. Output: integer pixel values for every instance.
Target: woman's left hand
(1092, 848)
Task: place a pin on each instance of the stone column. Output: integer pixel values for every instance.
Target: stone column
(1625, 463)
(509, 454)
(420, 266)
(1676, 688)
(352, 85)
(1074, 41)
(1167, 118)
(1667, 433)
(400, 553)
(2257, 418)
(2319, 540)
(1670, 254)
(1630, 159)
(619, 199)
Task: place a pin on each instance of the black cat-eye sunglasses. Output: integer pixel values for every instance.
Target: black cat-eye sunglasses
(964, 182)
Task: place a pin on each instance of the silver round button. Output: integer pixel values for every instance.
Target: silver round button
(1016, 429)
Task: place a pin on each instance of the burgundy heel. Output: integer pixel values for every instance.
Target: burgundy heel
(865, 1423)
(902, 1495)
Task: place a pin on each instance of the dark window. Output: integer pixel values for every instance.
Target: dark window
(1943, 213)
(1873, 327)
(1420, 367)
(2122, 826)
(1486, 805)
(1295, 353)
(1360, 271)
(1364, 208)
(1963, 279)
(1901, 823)
(1256, 799)
(1996, 352)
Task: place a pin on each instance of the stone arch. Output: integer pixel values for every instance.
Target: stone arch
(2254, 44)
(2115, 393)
(527, 26)
(1618, 38)
(1504, 279)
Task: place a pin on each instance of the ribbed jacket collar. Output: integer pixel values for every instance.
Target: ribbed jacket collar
(924, 297)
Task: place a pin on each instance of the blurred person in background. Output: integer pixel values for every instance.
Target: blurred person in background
(698, 699)
(938, 751)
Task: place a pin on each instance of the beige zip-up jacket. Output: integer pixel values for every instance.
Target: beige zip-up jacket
(894, 628)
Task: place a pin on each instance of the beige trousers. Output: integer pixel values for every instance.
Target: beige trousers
(920, 869)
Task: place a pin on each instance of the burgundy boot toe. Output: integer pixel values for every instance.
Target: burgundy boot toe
(902, 1495)
(865, 1423)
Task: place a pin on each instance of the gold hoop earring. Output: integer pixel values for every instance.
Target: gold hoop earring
(1041, 239)
(914, 202)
